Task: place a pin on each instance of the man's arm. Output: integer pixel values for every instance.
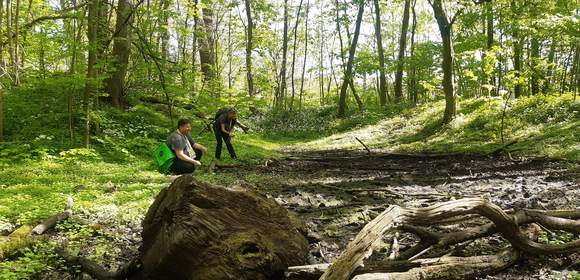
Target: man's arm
(223, 128)
(244, 127)
(180, 155)
(200, 147)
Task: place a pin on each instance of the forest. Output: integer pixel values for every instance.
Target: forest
(382, 139)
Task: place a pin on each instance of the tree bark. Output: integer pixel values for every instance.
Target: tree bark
(379, 39)
(550, 69)
(207, 45)
(321, 62)
(401, 56)
(17, 43)
(490, 41)
(517, 49)
(281, 95)
(10, 34)
(95, 35)
(413, 75)
(91, 67)
(348, 73)
(445, 27)
(1, 111)
(121, 52)
(249, 48)
(2, 61)
(305, 53)
(534, 57)
(164, 26)
(294, 54)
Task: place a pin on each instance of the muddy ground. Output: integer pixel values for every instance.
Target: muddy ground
(337, 192)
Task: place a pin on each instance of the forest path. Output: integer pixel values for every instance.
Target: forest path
(337, 192)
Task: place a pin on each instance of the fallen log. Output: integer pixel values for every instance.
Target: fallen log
(16, 240)
(507, 225)
(446, 267)
(450, 268)
(52, 221)
(22, 237)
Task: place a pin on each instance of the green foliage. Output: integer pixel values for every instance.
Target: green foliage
(30, 262)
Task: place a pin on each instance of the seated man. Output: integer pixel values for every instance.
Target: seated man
(225, 120)
(187, 152)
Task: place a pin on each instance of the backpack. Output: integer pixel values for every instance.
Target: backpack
(163, 156)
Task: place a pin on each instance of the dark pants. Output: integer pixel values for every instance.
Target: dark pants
(219, 137)
(182, 167)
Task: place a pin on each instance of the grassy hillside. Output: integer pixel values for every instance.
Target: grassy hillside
(532, 126)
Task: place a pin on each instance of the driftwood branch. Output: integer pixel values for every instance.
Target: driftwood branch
(431, 268)
(448, 268)
(507, 225)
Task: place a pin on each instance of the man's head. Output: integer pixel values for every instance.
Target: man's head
(233, 114)
(184, 126)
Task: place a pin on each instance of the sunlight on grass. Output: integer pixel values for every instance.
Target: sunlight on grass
(549, 128)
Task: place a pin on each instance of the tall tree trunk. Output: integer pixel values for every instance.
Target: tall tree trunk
(16, 42)
(564, 77)
(249, 48)
(282, 89)
(348, 72)
(94, 6)
(549, 71)
(517, 45)
(445, 27)
(195, 34)
(305, 53)
(534, 57)
(321, 63)
(401, 56)
(3, 65)
(490, 41)
(230, 53)
(74, 28)
(575, 73)
(96, 34)
(11, 48)
(517, 50)
(2, 61)
(164, 29)
(342, 56)
(379, 39)
(207, 45)
(121, 52)
(500, 59)
(294, 53)
(413, 76)
(1, 113)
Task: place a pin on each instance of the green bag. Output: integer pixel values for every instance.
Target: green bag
(164, 158)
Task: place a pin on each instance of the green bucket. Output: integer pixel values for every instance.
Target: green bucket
(164, 158)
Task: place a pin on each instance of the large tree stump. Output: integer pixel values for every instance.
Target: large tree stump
(195, 230)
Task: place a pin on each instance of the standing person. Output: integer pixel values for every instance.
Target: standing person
(225, 121)
(188, 153)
